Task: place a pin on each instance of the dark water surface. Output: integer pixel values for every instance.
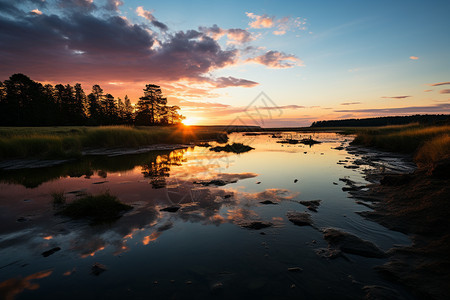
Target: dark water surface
(201, 251)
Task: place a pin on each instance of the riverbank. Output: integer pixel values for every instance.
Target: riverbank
(75, 141)
(415, 203)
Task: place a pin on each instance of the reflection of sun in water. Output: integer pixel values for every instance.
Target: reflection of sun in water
(191, 121)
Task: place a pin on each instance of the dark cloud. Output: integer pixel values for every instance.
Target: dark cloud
(350, 103)
(440, 83)
(396, 97)
(81, 46)
(439, 108)
(446, 91)
(150, 17)
(77, 5)
(222, 82)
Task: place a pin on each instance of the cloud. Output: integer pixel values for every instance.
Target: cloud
(149, 16)
(414, 57)
(36, 11)
(282, 25)
(239, 36)
(350, 103)
(263, 21)
(113, 5)
(446, 91)
(293, 106)
(396, 97)
(234, 35)
(277, 60)
(439, 108)
(223, 82)
(440, 83)
(77, 5)
(428, 90)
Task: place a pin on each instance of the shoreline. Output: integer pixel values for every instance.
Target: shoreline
(413, 202)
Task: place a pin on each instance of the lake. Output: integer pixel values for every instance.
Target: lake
(203, 250)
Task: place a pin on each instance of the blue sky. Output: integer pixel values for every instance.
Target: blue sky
(314, 59)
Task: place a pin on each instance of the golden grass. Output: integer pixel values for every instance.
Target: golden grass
(69, 141)
(434, 150)
(428, 143)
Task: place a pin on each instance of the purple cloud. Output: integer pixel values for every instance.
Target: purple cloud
(439, 108)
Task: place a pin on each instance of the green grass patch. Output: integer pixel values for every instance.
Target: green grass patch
(99, 208)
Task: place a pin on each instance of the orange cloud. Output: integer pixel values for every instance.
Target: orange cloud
(263, 21)
(414, 57)
(36, 11)
(446, 91)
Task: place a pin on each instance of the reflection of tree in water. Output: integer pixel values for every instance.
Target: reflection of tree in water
(89, 165)
(158, 169)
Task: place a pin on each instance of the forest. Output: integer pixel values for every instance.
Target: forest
(385, 121)
(25, 102)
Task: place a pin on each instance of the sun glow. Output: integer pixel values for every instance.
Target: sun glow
(191, 121)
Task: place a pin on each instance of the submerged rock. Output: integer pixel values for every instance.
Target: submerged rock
(377, 292)
(268, 202)
(352, 244)
(217, 182)
(50, 252)
(330, 253)
(255, 224)
(295, 269)
(97, 269)
(170, 208)
(299, 218)
(311, 204)
(234, 148)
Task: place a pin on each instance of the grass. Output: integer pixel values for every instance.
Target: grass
(68, 142)
(100, 208)
(427, 143)
(58, 198)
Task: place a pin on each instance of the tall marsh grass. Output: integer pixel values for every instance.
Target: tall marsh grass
(427, 143)
(62, 142)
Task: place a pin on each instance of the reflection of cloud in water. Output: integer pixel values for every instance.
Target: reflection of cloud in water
(14, 286)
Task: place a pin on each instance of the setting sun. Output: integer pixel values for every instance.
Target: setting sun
(190, 121)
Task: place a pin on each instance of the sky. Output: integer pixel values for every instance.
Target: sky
(266, 63)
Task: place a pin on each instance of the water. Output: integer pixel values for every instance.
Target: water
(200, 251)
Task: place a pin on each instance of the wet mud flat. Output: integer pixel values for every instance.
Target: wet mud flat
(414, 201)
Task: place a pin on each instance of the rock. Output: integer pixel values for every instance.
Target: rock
(352, 244)
(441, 169)
(97, 269)
(22, 219)
(268, 202)
(299, 218)
(376, 292)
(339, 148)
(203, 145)
(295, 269)
(100, 182)
(227, 196)
(259, 182)
(216, 182)
(188, 282)
(309, 141)
(329, 253)
(295, 180)
(311, 204)
(170, 209)
(50, 252)
(351, 167)
(234, 148)
(335, 183)
(217, 287)
(255, 224)
(292, 286)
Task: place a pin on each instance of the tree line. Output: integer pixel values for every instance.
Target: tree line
(25, 102)
(383, 121)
